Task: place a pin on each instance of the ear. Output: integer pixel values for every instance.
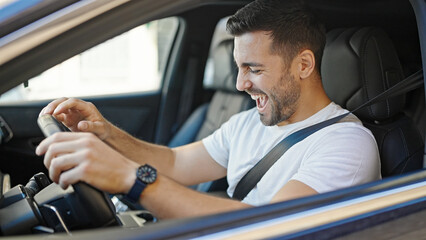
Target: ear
(306, 63)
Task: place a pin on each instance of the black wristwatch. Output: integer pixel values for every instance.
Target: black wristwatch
(144, 175)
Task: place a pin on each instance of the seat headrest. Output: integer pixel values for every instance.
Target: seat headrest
(357, 65)
(222, 69)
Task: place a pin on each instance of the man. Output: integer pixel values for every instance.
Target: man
(278, 47)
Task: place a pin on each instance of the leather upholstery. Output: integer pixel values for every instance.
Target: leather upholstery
(358, 64)
(400, 145)
(222, 107)
(189, 130)
(224, 68)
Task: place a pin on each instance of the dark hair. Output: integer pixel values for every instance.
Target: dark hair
(292, 25)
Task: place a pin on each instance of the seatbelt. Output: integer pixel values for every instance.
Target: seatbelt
(253, 176)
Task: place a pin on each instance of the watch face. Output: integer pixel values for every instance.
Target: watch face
(147, 174)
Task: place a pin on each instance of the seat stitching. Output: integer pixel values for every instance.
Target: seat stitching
(407, 155)
(363, 67)
(383, 76)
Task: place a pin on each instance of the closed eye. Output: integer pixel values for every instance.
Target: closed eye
(248, 67)
(255, 71)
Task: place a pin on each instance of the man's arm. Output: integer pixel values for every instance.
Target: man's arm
(167, 199)
(188, 165)
(293, 189)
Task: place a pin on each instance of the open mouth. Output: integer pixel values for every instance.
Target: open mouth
(261, 101)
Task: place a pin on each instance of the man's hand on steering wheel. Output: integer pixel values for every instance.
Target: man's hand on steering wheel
(79, 116)
(74, 157)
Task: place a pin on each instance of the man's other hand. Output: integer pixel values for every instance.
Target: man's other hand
(79, 116)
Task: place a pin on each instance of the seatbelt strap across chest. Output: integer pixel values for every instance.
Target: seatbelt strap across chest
(253, 176)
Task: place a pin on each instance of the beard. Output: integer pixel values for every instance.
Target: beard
(283, 100)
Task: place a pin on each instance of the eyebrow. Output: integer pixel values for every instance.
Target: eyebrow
(251, 64)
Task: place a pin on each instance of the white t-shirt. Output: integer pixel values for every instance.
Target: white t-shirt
(341, 155)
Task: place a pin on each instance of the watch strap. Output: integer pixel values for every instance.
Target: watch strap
(136, 190)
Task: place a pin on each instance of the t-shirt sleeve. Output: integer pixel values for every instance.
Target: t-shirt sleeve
(344, 157)
(218, 143)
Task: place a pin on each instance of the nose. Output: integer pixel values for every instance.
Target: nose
(243, 83)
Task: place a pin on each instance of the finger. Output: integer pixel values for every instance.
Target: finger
(60, 117)
(43, 147)
(73, 104)
(61, 164)
(64, 106)
(70, 146)
(57, 149)
(42, 112)
(50, 108)
(71, 176)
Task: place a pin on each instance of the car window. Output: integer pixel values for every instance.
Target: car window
(131, 62)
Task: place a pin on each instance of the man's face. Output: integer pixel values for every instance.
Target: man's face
(266, 77)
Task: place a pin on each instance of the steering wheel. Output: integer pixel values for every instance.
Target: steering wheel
(80, 206)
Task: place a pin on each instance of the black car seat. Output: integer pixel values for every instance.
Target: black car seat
(226, 101)
(358, 64)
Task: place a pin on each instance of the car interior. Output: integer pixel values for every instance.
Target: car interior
(369, 49)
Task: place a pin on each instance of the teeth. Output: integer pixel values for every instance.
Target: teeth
(255, 97)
